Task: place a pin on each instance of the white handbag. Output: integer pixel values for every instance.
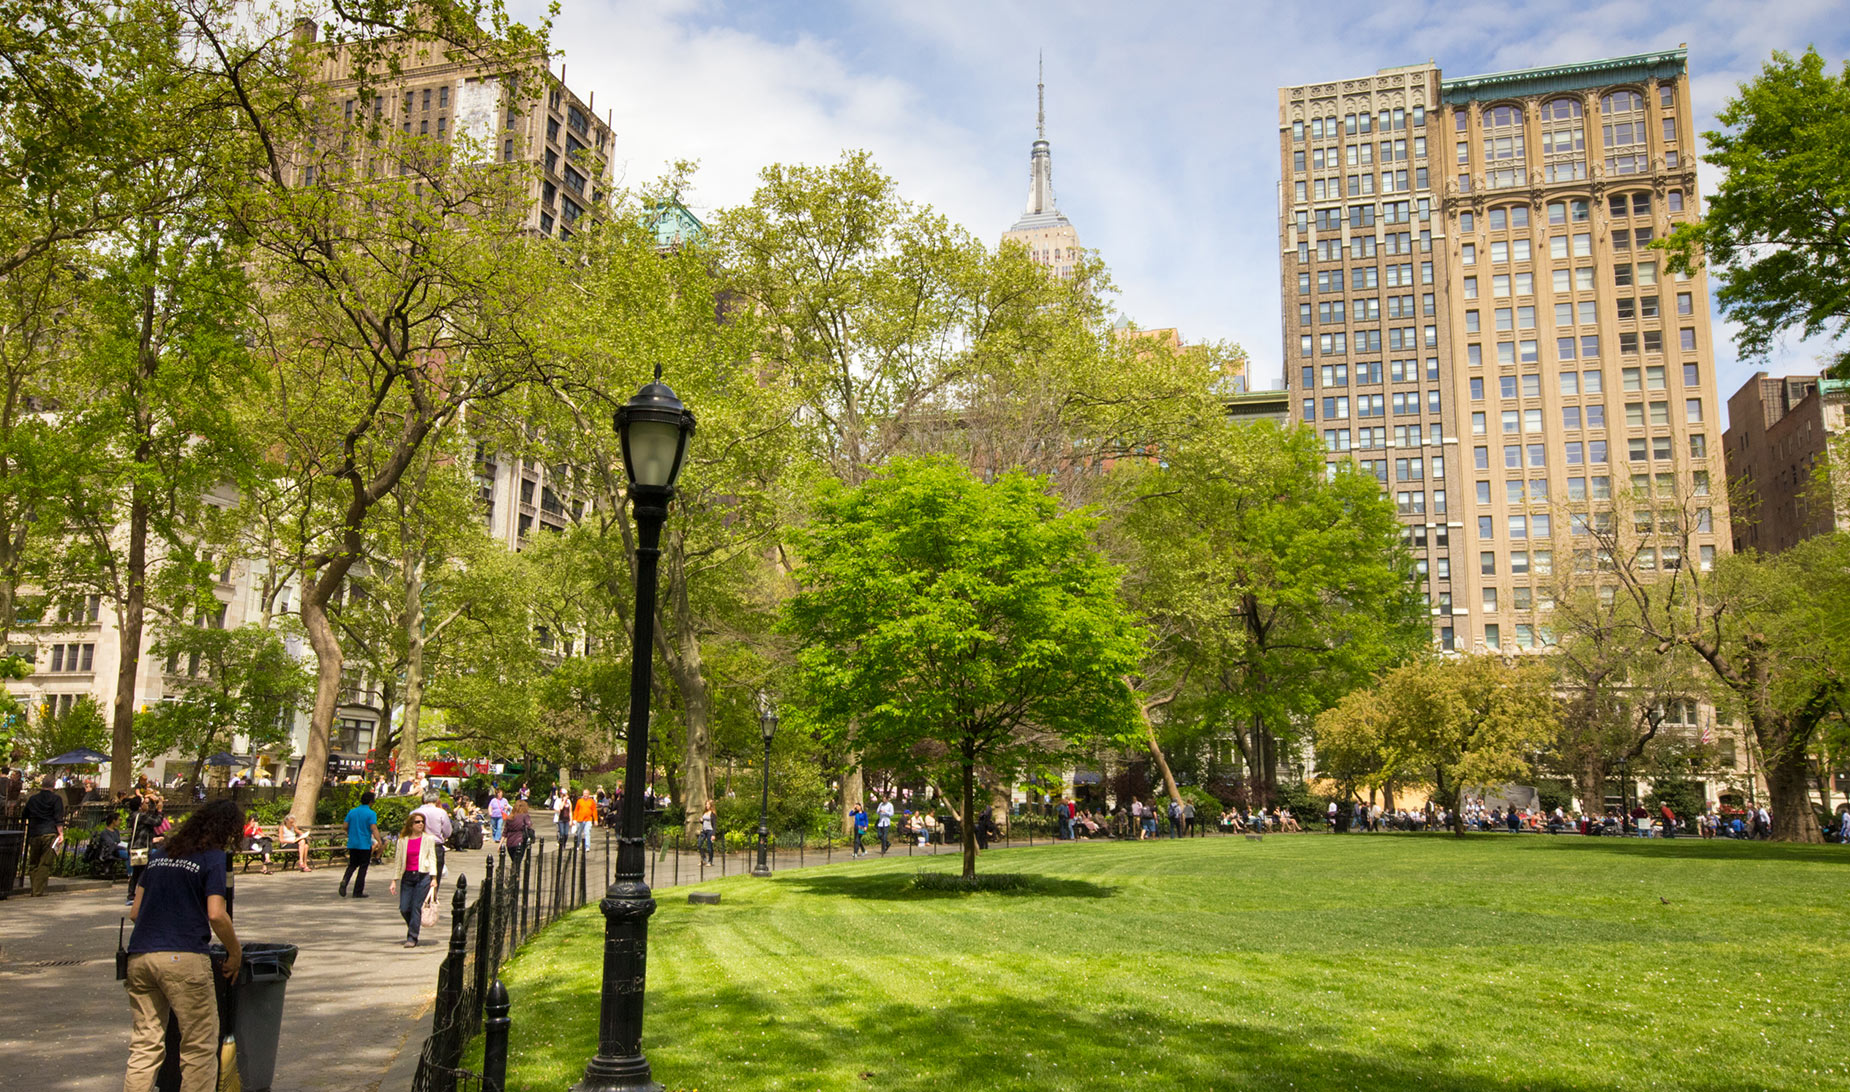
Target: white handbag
(428, 916)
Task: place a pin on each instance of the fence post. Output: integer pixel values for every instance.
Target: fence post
(722, 853)
(677, 858)
(449, 992)
(802, 836)
(526, 859)
(584, 865)
(501, 914)
(484, 923)
(495, 1030)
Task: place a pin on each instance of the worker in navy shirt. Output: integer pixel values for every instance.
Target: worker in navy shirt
(179, 905)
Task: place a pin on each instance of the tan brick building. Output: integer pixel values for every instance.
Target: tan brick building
(1778, 438)
(1473, 314)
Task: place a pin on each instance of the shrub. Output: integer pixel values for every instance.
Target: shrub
(1304, 805)
(1556, 794)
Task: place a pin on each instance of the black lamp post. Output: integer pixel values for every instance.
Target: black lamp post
(654, 428)
(767, 724)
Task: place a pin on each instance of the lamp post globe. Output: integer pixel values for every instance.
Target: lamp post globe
(653, 429)
(767, 725)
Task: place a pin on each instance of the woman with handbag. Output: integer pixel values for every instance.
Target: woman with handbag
(417, 870)
(140, 841)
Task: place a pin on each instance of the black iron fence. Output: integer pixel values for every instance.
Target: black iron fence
(517, 896)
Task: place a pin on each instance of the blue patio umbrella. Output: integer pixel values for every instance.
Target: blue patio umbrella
(225, 759)
(82, 756)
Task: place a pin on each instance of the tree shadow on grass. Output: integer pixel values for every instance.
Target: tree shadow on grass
(897, 887)
(1717, 849)
(809, 1038)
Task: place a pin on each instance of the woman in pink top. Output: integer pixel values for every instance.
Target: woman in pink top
(417, 868)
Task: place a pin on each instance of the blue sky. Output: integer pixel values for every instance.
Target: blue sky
(1162, 116)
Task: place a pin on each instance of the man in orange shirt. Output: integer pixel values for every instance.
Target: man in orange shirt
(584, 817)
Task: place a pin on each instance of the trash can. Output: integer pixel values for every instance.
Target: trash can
(257, 1018)
(12, 855)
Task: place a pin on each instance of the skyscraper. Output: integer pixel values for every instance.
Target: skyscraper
(1046, 232)
(1472, 313)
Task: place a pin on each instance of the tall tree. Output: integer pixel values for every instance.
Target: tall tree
(939, 609)
(1776, 227)
(1770, 630)
(231, 682)
(398, 278)
(1273, 584)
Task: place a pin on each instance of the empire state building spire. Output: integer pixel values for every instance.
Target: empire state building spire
(1041, 207)
(1043, 229)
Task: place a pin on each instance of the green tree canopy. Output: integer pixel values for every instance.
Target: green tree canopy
(1445, 723)
(1777, 227)
(952, 622)
(1272, 584)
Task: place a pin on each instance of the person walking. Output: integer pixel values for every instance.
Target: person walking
(709, 823)
(584, 817)
(519, 831)
(497, 815)
(859, 815)
(415, 873)
(562, 816)
(437, 825)
(178, 907)
(44, 826)
(885, 824)
(362, 833)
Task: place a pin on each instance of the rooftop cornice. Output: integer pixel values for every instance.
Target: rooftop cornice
(1639, 66)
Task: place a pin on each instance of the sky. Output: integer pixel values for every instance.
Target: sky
(1163, 116)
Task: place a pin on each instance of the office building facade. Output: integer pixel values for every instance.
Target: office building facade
(1473, 314)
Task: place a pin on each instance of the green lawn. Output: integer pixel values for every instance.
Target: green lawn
(1309, 962)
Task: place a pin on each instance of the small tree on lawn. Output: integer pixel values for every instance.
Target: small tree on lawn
(940, 610)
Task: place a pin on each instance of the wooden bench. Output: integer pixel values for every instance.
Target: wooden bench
(325, 840)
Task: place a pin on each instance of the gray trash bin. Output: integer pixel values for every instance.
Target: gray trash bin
(258, 1010)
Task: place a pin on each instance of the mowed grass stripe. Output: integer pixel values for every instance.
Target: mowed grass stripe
(1309, 962)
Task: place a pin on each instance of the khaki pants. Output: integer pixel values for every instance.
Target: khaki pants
(39, 859)
(181, 983)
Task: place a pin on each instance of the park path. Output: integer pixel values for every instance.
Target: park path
(358, 1004)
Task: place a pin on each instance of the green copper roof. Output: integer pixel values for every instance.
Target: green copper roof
(1664, 65)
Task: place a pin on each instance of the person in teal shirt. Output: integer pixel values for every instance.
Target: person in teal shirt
(362, 833)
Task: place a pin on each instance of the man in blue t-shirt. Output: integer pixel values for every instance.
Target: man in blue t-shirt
(362, 832)
(178, 904)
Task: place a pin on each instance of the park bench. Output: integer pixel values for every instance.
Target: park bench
(327, 841)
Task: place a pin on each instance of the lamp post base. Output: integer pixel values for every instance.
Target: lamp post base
(618, 1075)
(761, 871)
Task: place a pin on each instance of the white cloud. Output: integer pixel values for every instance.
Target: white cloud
(1163, 117)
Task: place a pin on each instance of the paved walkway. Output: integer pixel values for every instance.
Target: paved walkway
(356, 1000)
(357, 1008)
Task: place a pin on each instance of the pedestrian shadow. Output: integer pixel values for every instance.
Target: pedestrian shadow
(1712, 849)
(897, 887)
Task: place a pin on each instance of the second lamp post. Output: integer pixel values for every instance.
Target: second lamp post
(767, 724)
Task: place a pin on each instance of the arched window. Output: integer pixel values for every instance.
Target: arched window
(1503, 151)
(1623, 129)
(1564, 141)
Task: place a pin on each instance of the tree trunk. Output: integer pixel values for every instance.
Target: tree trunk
(969, 829)
(128, 668)
(1590, 786)
(1783, 757)
(853, 791)
(696, 705)
(413, 621)
(1162, 763)
(314, 769)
